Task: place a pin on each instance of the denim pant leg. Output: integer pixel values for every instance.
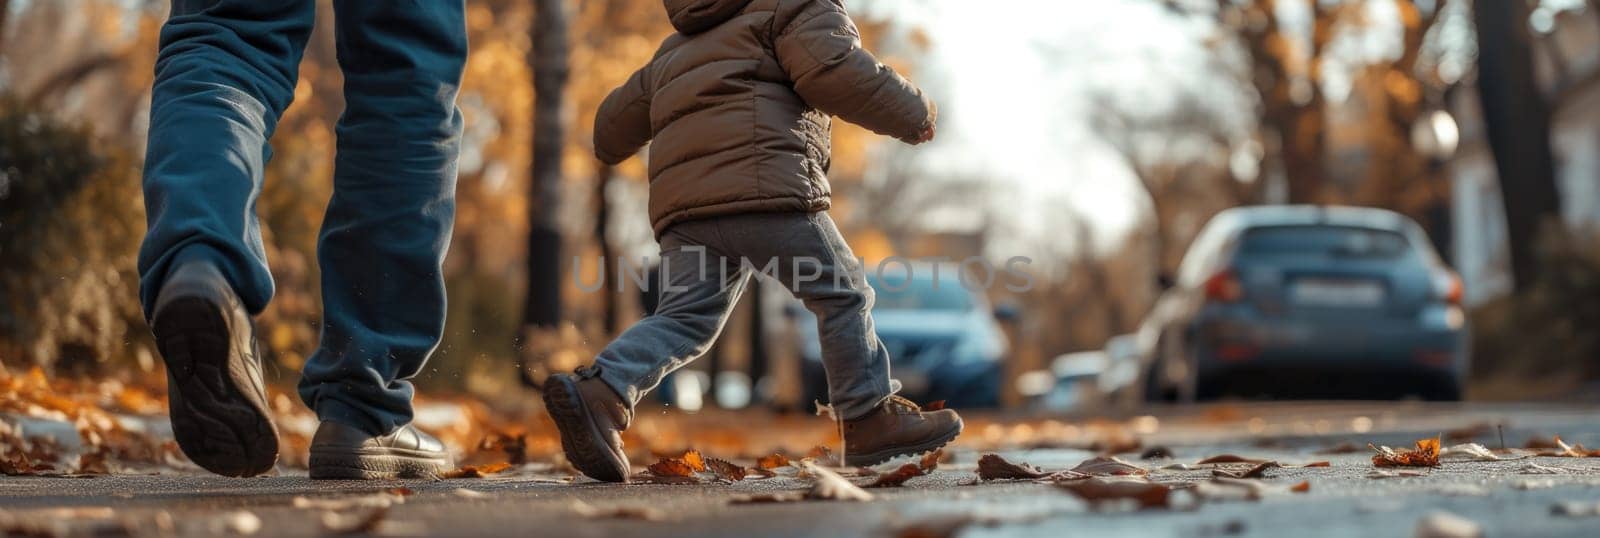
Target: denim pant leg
(389, 222)
(698, 293)
(814, 263)
(225, 72)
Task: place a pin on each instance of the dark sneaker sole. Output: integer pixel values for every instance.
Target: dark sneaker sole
(874, 458)
(346, 466)
(219, 416)
(583, 443)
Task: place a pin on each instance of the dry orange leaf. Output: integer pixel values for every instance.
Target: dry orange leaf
(477, 471)
(695, 460)
(773, 462)
(671, 467)
(1302, 487)
(820, 452)
(1425, 455)
(897, 477)
(1318, 464)
(930, 461)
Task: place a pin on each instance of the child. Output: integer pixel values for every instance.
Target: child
(738, 104)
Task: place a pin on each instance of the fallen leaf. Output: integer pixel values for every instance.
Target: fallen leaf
(897, 477)
(1228, 458)
(1109, 466)
(345, 524)
(1317, 464)
(725, 470)
(1467, 452)
(1258, 470)
(1572, 451)
(994, 467)
(1425, 455)
(643, 513)
(477, 471)
(695, 460)
(829, 485)
(1447, 525)
(672, 467)
(820, 452)
(773, 462)
(1302, 487)
(930, 461)
(1100, 489)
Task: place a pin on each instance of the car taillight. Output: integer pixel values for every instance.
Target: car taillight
(1224, 287)
(1448, 287)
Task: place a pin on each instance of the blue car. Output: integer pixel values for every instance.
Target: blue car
(1306, 301)
(944, 340)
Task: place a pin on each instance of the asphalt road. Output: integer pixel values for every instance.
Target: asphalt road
(1496, 497)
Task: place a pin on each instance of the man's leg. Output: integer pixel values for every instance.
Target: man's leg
(225, 72)
(393, 207)
(592, 408)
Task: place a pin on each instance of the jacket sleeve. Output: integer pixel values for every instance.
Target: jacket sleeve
(820, 49)
(622, 125)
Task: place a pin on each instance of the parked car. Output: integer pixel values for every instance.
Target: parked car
(1303, 301)
(944, 340)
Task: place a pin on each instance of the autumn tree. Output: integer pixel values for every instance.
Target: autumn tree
(1517, 120)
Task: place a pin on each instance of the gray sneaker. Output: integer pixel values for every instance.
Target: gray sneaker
(340, 452)
(217, 402)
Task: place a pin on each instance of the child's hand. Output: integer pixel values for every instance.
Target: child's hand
(926, 135)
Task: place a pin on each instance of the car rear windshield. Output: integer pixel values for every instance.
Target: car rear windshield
(1322, 240)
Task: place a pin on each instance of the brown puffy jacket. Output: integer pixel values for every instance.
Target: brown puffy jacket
(738, 103)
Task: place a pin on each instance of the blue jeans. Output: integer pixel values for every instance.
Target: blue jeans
(225, 73)
(705, 265)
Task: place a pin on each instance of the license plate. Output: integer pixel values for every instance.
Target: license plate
(1330, 292)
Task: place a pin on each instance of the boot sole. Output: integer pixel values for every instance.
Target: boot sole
(382, 465)
(219, 417)
(874, 458)
(583, 443)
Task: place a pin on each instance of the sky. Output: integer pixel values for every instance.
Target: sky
(1014, 81)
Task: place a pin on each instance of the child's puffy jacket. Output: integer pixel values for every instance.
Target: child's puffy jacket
(737, 104)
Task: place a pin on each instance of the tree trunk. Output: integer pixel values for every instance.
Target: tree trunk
(1517, 120)
(602, 221)
(550, 56)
